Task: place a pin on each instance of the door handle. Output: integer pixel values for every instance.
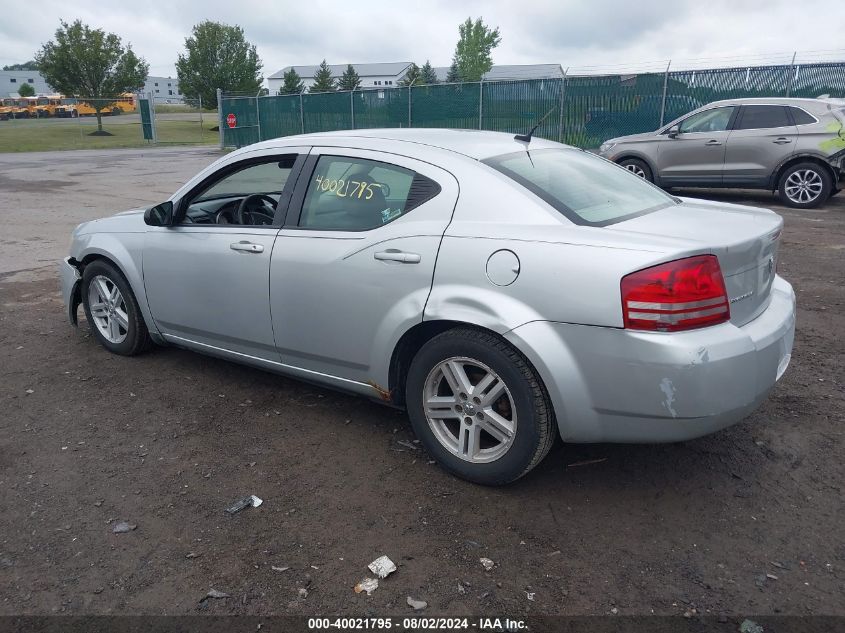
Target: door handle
(713, 142)
(246, 247)
(782, 141)
(393, 255)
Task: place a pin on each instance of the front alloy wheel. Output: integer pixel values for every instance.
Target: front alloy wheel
(112, 310)
(108, 309)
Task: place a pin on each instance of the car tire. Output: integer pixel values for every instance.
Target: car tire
(638, 168)
(116, 320)
(805, 186)
(491, 436)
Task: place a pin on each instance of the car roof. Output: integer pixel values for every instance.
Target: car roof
(475, 144)
(809, 104)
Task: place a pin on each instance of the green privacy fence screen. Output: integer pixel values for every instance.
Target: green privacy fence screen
(579, 110)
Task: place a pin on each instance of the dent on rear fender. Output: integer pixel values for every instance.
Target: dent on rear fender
(487, 308)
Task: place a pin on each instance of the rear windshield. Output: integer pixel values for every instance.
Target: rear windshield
(583, 187)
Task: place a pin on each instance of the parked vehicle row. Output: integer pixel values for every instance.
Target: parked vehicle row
(793, 146)
(60, 107)
(503, 291)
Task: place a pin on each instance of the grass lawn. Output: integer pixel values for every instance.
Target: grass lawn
(38, 135)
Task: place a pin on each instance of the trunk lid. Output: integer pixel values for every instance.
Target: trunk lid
(745, 239)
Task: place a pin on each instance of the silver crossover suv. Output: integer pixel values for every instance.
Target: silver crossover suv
(503, 291)
(794, 146)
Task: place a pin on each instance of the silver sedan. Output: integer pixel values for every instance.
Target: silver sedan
(503, 291)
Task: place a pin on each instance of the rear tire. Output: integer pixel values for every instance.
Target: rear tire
(805, 186)
(490, 420)
(638, 168)
(112, 310)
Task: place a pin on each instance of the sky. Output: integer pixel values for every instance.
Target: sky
(586, 35)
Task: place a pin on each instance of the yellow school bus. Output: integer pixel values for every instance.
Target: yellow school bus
(14, 109)
(123, 103)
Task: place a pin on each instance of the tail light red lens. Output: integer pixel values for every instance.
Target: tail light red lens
(681, 295)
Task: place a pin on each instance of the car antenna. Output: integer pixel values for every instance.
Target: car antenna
(526, 138)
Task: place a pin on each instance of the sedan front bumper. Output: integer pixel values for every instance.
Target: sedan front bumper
(617, 385)
(71, 281)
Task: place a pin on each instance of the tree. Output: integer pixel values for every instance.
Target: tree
(427, 74)
(26, 90)
(472, 53)
(91, 64)
(453, 77)
(218, 56)
(25, 66)
(292, 83)
(349, 80)
(412, 77)
(323, 80)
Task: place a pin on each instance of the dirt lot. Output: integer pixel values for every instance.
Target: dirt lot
(746, 521)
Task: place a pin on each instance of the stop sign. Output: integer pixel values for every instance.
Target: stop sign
(231, 120)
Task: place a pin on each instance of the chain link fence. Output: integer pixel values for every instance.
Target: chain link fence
(53, 123)
(579, 110)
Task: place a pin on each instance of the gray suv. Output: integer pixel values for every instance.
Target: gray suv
(794, 146)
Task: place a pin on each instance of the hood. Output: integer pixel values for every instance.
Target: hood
(632, 138)
(131, 221)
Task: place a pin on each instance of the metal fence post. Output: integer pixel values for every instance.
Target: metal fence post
(791, 74)
(258, 115)
(301, 114)
(560, 106)
(153, 118)
(663, 100)
(480, 102)
(352, 106)
(199, 98)
(409, 103)
(220, 117)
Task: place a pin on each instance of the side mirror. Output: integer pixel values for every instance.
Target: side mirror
(674, 131)
(159, 215)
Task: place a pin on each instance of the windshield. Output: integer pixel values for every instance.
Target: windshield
(583, 187)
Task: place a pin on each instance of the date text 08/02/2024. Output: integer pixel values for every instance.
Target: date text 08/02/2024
(416, 624)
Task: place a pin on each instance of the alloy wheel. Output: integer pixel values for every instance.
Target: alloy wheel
(470, 409)
(803, 186)
(635, 169)
(108, 309)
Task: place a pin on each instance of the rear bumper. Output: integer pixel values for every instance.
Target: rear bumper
(71, 281)
(616, 385)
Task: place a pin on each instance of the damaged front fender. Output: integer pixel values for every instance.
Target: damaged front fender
(71, 282)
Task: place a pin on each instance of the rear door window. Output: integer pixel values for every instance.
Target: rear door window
(759, 117)
(356, 194)
(800, 117)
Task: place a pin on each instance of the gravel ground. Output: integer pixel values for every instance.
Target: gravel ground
(748, 520)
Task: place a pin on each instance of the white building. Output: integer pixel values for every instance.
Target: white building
(164, 89)
(388, 75)
(381, 75)
(12, 80)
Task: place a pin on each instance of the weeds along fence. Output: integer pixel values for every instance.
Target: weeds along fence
(582, 110)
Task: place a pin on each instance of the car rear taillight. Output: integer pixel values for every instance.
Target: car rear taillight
(681, 295)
